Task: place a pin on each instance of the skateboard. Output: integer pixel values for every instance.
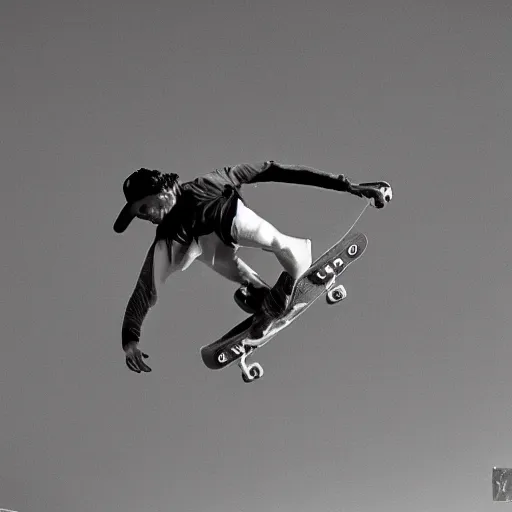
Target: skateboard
(320, 279)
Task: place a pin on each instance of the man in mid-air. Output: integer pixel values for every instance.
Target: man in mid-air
(207, 219)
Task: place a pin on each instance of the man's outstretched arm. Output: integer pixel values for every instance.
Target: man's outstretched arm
(271, 171)
(154, 272)
(304, 175)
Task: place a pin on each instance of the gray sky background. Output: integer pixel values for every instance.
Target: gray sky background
(397, 400)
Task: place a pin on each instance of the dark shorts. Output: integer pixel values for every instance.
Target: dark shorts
(224, 212)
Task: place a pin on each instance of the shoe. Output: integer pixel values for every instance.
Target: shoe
(379, 192)
(274, 305)
(260, 327)
(250, 298)
(278, 299)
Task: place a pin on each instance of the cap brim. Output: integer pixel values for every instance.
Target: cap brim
(124, 218)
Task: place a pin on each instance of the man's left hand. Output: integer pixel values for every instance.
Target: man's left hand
(134, 359)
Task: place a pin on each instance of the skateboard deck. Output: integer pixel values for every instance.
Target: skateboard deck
(320, 279)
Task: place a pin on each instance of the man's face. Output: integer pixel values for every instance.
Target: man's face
(154, 208)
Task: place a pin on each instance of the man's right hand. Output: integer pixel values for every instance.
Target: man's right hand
(134, 358)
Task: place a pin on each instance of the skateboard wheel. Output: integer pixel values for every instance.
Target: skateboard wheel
(245, 378)
(336, 294)
(254, 372)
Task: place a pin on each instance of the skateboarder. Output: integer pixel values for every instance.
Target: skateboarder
(207, 219)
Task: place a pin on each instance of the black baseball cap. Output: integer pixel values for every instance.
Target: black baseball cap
(141, 183)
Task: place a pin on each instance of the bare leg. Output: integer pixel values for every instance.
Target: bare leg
(225, 261)
(250, 230)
